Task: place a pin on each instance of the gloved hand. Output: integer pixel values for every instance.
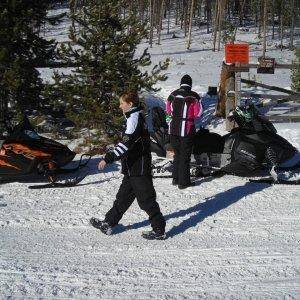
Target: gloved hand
(168, 118)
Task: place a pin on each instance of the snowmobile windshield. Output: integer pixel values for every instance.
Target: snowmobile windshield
(24, 131)
(249, 118)
(243, 115)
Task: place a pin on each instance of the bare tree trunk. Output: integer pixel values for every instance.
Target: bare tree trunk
(190, 24)
(142, 11)
(177, 13)
(185, 9)
(259, 10)
(281, 27)
(72, 5)
(292, 25)
(273, 19)
(217, 12)
(242, 12)
(169, 7)
(229, 11)
(199, 10)
(208, 13)
(146, 13)
(155, 14)
(160, 20)
(264, 28)
(182, 14)
(222, 6)
(151, 23)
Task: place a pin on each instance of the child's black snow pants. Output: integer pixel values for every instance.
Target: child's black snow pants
(141, 188)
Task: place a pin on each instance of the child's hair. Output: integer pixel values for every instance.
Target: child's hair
(131, 97)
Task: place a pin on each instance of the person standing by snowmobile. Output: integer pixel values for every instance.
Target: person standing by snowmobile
(134, 153)
(183, 106)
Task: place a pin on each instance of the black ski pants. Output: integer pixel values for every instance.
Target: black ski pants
(182, 147)
(141, 188)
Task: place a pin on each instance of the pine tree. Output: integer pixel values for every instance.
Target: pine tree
(103, 45)
(21, 49)
(295, 76)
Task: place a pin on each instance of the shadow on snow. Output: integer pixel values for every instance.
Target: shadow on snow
(200, 211)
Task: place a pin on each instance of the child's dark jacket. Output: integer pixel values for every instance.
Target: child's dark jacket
(134, 149)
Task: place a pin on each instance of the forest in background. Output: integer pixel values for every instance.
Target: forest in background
(102, 30)
(220, 17)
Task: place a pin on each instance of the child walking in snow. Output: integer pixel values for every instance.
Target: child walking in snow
(134, 153)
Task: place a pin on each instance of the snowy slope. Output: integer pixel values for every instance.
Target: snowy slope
(227, 238)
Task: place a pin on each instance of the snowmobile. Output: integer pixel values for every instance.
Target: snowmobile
(24, 152)
(248, 150)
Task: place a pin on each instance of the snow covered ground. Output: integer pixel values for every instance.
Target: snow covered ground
(227, 238)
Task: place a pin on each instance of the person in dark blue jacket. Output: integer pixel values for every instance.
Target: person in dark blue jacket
(135, 155)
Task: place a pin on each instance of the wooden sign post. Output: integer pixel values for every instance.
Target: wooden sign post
(237, 54)
(238, 87)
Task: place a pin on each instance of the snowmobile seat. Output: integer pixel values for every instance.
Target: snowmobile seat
(208, 142)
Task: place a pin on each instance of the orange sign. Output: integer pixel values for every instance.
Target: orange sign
(237, 53)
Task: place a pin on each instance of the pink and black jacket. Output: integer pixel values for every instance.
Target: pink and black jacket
(184, 106)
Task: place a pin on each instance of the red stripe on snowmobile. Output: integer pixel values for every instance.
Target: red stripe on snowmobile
(26, 151)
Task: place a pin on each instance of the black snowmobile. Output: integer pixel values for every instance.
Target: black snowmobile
(247, 150)
(24, 152)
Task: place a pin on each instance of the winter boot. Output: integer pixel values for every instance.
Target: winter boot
(174, 181)
(184, 186)
(102, 225)
(154, 235)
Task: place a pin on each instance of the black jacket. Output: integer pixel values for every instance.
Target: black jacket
(134, 149)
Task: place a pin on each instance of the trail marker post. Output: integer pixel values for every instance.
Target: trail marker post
(237, 54)
(237, 60)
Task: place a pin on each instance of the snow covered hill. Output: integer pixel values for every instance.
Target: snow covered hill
(227, 238)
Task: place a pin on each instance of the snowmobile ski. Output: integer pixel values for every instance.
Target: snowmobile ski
(67, 183)
(270, 180)
(79, 166)
(162, 176)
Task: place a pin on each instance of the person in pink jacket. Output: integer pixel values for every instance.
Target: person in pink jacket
(183, 107)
